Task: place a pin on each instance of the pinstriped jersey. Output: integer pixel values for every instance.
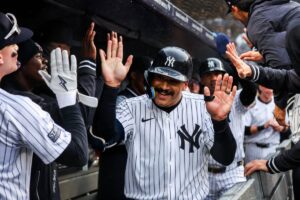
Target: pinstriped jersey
(233, 173)
(259, 115)
(167, 152)
(295, 119)
(25, 128)
(237, 126)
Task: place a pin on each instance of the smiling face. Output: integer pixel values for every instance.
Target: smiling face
(31, 68)
(167, 90)
(265, 94)
(8, 60)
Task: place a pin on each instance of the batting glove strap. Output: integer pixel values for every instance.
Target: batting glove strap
(87, 100)
(272, 167)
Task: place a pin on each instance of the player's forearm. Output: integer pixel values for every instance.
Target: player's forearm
(87, 86)
(285, 161)
(277, 79)
(223, 139)
(76, 153)
(105, 117)
(248, 93)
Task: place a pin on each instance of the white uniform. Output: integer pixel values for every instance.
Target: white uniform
(167, 152)
(268, 139)
(25, 128)
(234, 173)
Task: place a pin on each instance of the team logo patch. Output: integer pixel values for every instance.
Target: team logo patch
(211, 64)
(54, 134)
(170, 61)
(129, 136)
(193, 139)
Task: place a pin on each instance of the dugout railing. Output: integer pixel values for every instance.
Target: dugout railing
(264, 186)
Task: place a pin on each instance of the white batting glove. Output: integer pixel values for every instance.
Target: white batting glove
(63, 78)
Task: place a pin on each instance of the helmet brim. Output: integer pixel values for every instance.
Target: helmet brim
(169, 72)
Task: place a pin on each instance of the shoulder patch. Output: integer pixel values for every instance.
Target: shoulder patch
(54, 134)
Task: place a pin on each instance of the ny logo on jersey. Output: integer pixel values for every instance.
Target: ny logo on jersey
(211, 64)
(192, 139)
(170, 61)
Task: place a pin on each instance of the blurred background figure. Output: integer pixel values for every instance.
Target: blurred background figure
(262, 131)
(194, 82)
(56, 33)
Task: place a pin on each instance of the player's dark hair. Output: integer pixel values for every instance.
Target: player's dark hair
(244, 5)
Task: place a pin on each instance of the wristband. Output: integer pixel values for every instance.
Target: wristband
(259, 128)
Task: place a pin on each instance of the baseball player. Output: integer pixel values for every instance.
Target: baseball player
(170, 135)
(221, 177)
(262, 131)
(44, 181)
(25, 127)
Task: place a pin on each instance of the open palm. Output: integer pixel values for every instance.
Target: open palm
(224, 95)
(242, 68)
(113, 70)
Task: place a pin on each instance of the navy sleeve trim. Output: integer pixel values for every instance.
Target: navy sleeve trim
(272, 167)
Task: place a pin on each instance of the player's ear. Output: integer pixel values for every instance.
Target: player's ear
(234, 9)
(1, 58)
(185, 85)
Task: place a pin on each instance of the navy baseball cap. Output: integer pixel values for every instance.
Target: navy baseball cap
(27, 50)
(10, 32)
(221, 40)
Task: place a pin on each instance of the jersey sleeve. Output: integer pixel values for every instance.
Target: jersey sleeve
(120, 98)
(125, 117)
(38, 131)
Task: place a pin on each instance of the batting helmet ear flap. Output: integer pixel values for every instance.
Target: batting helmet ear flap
(149, 90)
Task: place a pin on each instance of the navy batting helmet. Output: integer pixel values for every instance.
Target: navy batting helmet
(211, 65)
(173, 62)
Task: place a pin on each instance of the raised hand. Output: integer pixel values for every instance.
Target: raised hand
(224, 95)
(242, 68)
(88, 46)
(113, 70)
(63, 78)
(254, 56)
(255, 165)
